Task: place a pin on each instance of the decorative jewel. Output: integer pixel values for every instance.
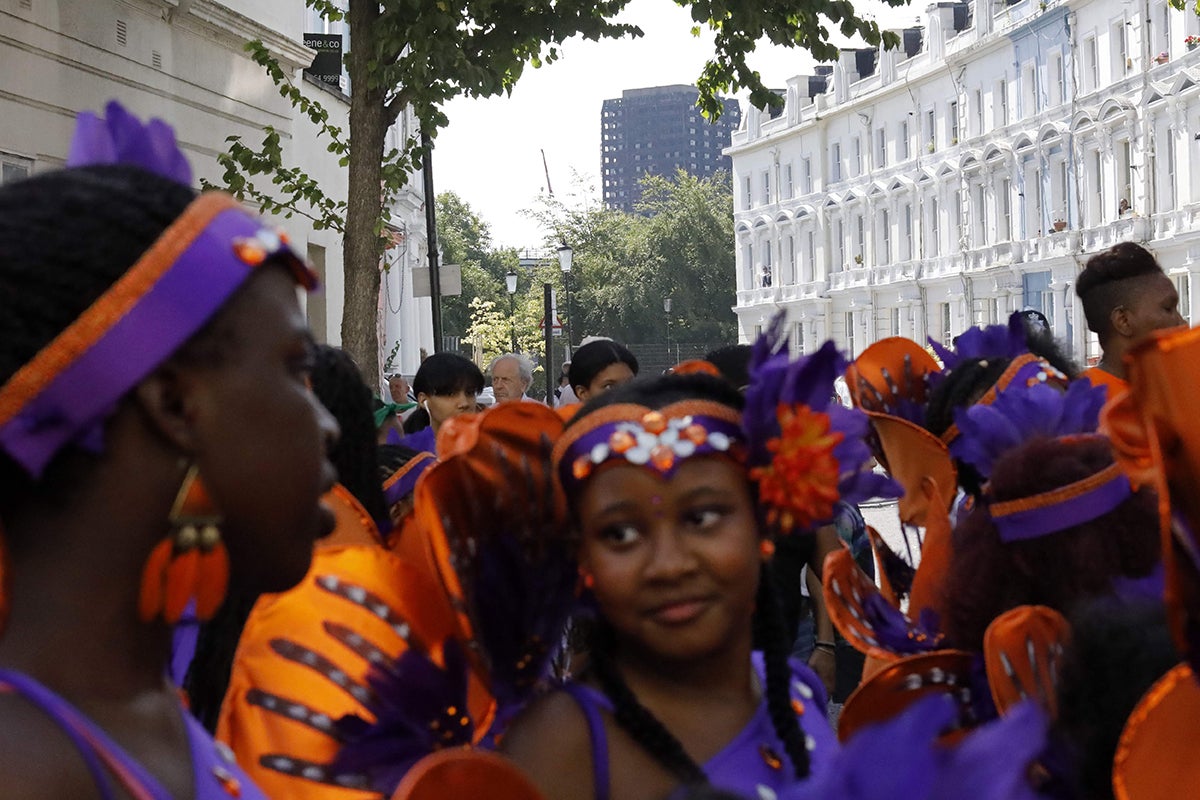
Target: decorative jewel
(654, 422)
(696, 434)
(663, 457)
(249, 251)
(800, 483)
(621, 441)
(798, 706)
(581, 468)
(190, 562)
(228, 781)
(771, 758)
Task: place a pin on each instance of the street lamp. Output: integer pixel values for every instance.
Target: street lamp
(565, 256)
(510, 282)
(667, 314)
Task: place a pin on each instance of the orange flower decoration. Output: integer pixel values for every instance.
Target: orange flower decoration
(800, 484)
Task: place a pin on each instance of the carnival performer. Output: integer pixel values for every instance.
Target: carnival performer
(155, 372)
(1125, 296)
(446, 385)
(658, 478)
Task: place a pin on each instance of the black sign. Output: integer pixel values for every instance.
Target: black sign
(327, 66)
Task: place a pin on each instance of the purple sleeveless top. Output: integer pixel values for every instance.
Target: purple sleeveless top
(217, 776)
(754, 764)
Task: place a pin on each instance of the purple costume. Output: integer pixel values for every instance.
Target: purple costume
(216, 774)
(754, 764)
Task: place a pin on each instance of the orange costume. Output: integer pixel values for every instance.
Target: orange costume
(1112, 384)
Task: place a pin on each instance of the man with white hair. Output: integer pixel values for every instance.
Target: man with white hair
(511, 375)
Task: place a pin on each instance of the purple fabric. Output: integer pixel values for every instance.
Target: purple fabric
(591, 712)
(1147, 587)
(740, 767)
(895, 632)
(184, 637)
(120, 138)
(408, 483)
(209, 760)
(73, 407)
(1065, 514)
(424, 440)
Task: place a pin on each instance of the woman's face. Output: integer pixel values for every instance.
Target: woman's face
(675, 562)
(442, 407)
(261, 436)
(611, 376)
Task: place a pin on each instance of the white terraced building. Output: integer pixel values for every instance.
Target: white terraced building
(972, 172)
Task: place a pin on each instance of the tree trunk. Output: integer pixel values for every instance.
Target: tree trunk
(361, 248)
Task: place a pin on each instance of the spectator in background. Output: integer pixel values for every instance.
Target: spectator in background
(564, 395)
(599, 366)
(446, 386)
(511, 375)
(398, 388)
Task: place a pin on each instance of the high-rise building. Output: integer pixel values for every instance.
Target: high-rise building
(657, 131)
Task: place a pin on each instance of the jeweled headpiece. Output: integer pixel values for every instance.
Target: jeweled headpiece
(659, 439)
(64, 394)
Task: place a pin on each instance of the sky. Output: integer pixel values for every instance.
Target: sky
(491, 152)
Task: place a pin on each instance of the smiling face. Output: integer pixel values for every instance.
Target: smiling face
(675, 562)
(261, 436)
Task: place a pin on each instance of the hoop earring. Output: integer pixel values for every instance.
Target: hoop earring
(190, 561)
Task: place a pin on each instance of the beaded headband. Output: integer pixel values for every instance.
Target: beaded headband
(658, 439)
(68, 389)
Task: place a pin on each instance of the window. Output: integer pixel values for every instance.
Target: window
(1004, 231)
(812, 257)
(749, 266)
(957, 223)
(906, 248)
(1172, 185)
(981, 216)
(14, 168)
(860, 239)
(1124, 173)
(1057, 84)
(883, 253)
(1183, 284)
(791, 259)
(800, 339)
(850, 333)
(952, 121)
(930, 130)
(1121, 62)
(905, 143)
(749, 200)
(1091, 65)
(894, 327)
(858, 159)
(808, 184)
(931, 241)
(947, 319)
(978, 112)
(766, 187)
(765, 279)
(881, 147)
(1029, 90)
(840, 244)
(1001, 103)
(788, 188)
(835, 167)
(1037, 294)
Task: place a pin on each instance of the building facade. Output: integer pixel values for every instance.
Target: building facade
(183, 61)
(971, 173)
(657, 131)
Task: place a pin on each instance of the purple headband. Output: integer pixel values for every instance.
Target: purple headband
(67, 391)
(403, 482)
(656, 439)
(1062, 508)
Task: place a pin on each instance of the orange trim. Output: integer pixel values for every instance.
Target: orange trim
(1154, 757)
(1059, 495)
(409, 466)
(632, 412)
(33, 378)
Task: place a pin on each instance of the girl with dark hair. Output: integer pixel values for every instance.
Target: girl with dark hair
(446, 385)
(154, 369)
(599, 366)
(673, 546)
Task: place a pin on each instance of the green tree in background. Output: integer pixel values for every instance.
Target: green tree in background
(422, 53)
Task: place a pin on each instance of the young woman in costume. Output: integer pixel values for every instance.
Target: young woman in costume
(154, 369)
(673, 547)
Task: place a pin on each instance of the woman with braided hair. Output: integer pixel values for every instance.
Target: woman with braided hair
(664, 485)
(154, 371)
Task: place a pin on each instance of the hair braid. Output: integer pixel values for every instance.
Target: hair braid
(771, 635)
(637, 720)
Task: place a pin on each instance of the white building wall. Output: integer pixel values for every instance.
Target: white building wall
(975, 177)
(184, 62)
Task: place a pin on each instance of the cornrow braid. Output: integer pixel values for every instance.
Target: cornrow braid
(772, 637)
(637, 720)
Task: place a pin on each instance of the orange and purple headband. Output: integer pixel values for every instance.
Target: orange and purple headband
(658, 439)
(1064, 507)
(66, 392)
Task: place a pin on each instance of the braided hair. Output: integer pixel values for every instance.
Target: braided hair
(769, 629)
(65, 238)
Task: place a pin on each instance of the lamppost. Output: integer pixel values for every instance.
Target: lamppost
(510, 282)
(667, 314)
(565, 256)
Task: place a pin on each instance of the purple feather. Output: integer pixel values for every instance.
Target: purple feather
(895, 632)
(120, 138)
(992, 341)
(1022, 413)
(413, 695)
(901, 757)
(776, 379)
